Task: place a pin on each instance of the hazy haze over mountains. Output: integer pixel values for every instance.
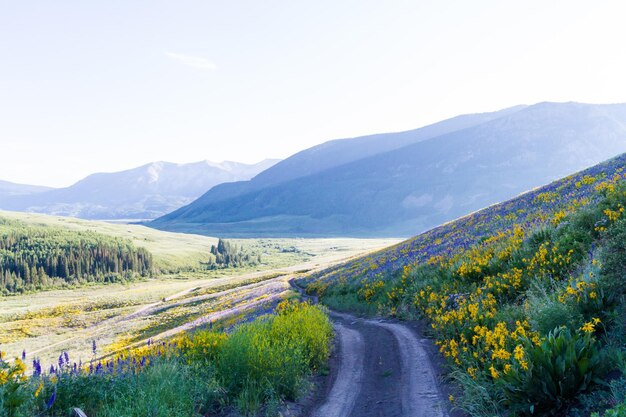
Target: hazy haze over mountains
(9, 189)
(145, 192)
(403, 183)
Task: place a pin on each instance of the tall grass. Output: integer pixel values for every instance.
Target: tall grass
(255, 367)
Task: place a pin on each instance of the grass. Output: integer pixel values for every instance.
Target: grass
(258, 365)
(185, 252)
(48, 323)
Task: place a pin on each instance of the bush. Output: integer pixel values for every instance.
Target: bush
(560, 367)
(619, 411)
(614, 259)
(546, 312)
(270, 357)
(16, 394)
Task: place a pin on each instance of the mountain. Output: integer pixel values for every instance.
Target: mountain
(145, 192)
(342, 151)
(10, 189)
(408, 189)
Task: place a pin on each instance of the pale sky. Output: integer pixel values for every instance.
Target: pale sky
(93, 86)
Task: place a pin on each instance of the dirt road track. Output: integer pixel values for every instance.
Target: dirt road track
(346, 387)
(384, 370)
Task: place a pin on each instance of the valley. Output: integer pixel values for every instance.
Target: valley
(312, 209)
(184, 296)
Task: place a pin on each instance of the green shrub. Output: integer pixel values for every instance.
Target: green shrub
(613, 257)
(560, 367)
(16, 392)
(619, 411)
(546, 312)
(273, 355)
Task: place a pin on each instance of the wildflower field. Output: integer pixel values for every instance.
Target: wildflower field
(162, 319)
(525, 298)
(254, 367)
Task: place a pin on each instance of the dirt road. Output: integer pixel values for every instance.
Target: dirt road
(380, 369)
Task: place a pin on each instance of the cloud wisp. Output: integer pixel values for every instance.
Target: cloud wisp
(192, 61)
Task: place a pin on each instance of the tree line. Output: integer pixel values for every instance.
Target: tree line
(39, 257)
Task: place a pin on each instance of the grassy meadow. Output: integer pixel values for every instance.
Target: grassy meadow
(182, 295)
(253, 368)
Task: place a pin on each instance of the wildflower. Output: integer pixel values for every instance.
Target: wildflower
(94, 347)
(24, 355)
(38, 390)
(451, 398)
(494, 373)
(52, 399)
(588, 327)
(36, 368)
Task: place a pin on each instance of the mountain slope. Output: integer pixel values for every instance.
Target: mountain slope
(416, 187)
(342, 151)
(144, 192)
(9, 189)
(506, 290)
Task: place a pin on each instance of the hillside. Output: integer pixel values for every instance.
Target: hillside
(415, 187)
(343, 151)
(141, 193)
(525, 299)
(38, 257)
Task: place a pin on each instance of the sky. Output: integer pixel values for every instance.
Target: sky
(103, 86)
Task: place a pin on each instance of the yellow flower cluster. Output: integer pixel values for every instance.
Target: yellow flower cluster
(12, 372)
(578, 290)
(613, 215)
(371, 289)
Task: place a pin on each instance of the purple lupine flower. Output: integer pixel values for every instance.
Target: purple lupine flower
(52, 370)
(36, 368)
(67, 357)
(94, 347)
(52, 399)
(24, 355)
(61, 362)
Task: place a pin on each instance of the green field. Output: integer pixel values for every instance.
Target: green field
(183, 296)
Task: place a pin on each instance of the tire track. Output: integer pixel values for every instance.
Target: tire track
(417, 393)
(346, 387)
(420, 391)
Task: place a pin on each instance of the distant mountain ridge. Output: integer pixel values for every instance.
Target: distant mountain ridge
(144, 192)
(408, 189)
(342, 151)
(9, 189)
